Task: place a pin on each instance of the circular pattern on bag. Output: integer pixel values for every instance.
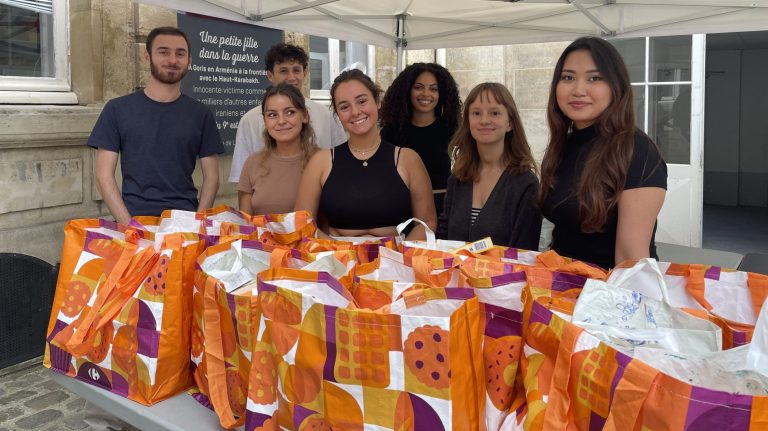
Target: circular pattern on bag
(277, 307)
(101, 344)
(301, 385)
(263, 378)
(426, 355)
(268, 425)
(316, 423)
(501, 359)
(78, 294)
(236, 392)
(154, 284)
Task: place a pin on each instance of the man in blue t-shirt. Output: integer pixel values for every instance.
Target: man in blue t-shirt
(158, 133)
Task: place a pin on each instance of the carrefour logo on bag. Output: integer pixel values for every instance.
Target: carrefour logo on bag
(94, 374)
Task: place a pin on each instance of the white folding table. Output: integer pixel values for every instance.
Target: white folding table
(178, 413)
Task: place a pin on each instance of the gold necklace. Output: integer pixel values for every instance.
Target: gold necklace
(362, 153)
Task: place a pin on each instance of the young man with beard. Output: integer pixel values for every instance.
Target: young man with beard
(158, 134)
(284, 63)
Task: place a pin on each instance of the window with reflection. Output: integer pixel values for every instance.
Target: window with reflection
(633, 53)
(26, 40)
(329, 57)
(666, 61)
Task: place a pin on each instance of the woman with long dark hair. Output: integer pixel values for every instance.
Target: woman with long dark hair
(421, 110)
(492, 188)
(603, 181)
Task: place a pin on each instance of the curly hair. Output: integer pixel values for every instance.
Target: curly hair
(517, 156)
(307, 136)
(605, 171)
(397, 110)
(282, 52)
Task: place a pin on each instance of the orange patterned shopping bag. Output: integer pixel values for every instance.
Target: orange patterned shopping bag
(545, 290)
(120, 316)
(224, 312)
(415, 364)
(596, 386)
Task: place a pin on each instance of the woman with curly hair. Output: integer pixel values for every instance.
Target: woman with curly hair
(492, 189)
(421, 111)
(270, 178)
(603, 181)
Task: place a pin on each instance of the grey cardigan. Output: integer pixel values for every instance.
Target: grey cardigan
(511, 216)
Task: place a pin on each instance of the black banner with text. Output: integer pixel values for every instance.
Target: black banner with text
(227, 72)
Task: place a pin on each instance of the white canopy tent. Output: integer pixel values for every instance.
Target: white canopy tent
(426, 24)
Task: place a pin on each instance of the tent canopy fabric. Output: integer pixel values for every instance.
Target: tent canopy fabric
(428, 24)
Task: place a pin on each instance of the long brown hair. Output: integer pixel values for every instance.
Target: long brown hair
(307, 143)
(605, 170)
(517, 156)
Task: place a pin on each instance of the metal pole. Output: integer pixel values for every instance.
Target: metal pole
(402, 42)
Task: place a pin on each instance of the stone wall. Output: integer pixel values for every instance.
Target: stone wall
(46, 170)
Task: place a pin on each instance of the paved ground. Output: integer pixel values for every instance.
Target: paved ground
(30, 400)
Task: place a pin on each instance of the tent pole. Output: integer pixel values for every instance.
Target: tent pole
(402, 42)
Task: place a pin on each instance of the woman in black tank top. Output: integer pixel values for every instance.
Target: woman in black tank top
(365, 186)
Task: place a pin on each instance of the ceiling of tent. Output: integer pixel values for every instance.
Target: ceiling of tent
(453, 23)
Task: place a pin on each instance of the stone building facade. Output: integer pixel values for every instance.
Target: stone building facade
(46, 170)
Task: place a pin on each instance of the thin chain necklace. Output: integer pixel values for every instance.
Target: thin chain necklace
(363, 153)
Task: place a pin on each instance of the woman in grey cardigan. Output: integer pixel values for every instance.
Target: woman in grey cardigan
(493, 185)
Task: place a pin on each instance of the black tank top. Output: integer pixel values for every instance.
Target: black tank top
(365, 197)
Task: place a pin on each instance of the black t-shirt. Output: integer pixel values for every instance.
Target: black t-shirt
(647, 169)
(159, 144)
(430, 143)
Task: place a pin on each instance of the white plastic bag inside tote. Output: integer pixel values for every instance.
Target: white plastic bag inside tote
(729, 294)
(742, 370)
(627, 319)
(239, 265)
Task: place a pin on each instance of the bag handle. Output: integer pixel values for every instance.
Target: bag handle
(553, 261)
(279, 257)
(757, 353)
(758, 290)
(214, 356)
(559, 404)
(431, 241)
(695, 284)
(629, 396)
(422, 268)
(646, 264)
(127, 275)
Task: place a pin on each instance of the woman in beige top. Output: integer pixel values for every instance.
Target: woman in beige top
(270, 178)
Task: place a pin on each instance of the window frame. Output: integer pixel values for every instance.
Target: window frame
(46, 90)
(334, 67)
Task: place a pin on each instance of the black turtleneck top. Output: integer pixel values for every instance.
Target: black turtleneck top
(647, 169)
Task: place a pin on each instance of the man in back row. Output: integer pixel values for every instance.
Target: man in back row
(283, 63)
(158, 133)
